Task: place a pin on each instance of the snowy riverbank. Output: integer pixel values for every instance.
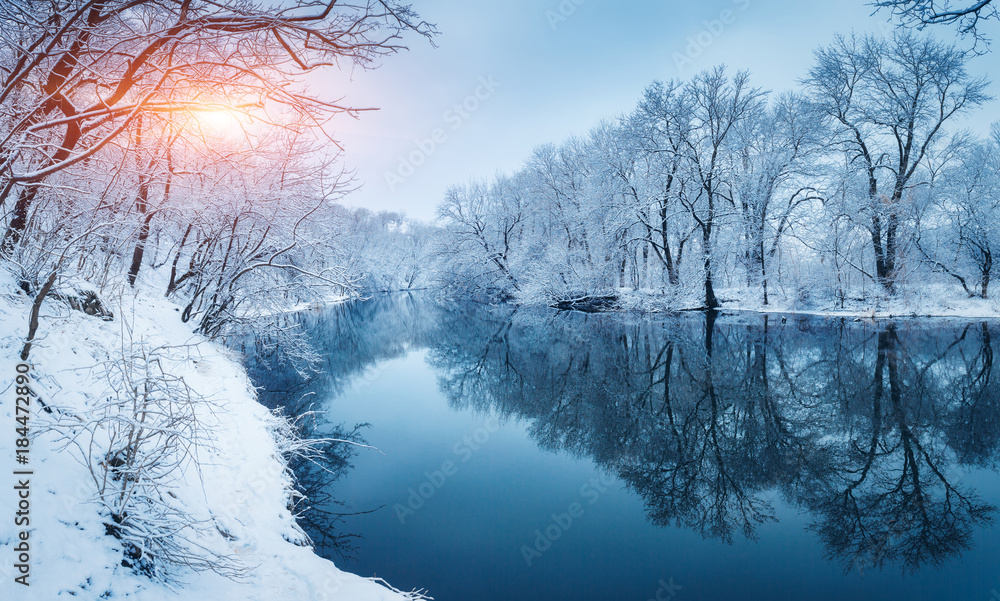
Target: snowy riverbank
(236, 501)
(928, 301)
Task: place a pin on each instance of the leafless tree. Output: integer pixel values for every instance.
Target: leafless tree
(889, 101)
(965, 15)
(719, 105)
(660, 125)
(80, 72)
(958, 230)
(484, 223)
(776, 149)
(139, 445)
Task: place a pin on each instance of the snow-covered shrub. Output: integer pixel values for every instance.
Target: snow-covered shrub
(138, 444)
(314, 456)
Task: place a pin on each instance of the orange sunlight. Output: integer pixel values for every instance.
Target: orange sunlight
(222, 123)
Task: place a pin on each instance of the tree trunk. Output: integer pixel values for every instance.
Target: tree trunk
(706, 236)
(885, 246)
(644, 280)
(987, 269)
(19, 220)
(142, 206)
(173, 283)
(36, 307)
(763, 269)
(665, 243)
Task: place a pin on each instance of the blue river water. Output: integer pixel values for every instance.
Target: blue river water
(536, 455)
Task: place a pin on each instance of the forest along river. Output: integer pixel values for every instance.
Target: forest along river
(535, 455)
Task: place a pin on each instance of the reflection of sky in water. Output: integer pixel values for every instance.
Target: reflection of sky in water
(597, 400)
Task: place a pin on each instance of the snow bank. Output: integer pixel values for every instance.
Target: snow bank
(238, 500)
(931, 300)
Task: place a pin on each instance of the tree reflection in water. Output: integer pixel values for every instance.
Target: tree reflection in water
(867, 426)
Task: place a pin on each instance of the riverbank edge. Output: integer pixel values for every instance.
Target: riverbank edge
(934, 304)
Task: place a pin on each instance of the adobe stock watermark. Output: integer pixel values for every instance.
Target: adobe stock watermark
(712, 30)
(667, 590)
(367, 377)
(560, 523)
(463, 450)
(455, 117)
(562, 13)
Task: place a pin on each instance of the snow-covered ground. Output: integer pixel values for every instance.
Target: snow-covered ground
(237, 501)
(932, 300)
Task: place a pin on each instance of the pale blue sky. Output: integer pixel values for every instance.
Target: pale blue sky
(559, 74)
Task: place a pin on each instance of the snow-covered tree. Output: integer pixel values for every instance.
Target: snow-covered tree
(966, 15)
(960, 233)
(778, 150)
(720, 104)
(888, 102)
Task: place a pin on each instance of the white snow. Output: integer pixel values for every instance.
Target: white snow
(241, 488)
(929, 300)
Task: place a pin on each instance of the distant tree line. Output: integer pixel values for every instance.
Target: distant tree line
(849, 189)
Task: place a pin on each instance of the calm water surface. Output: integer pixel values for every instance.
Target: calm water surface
(534, 455)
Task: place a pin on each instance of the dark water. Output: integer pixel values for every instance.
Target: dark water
(535, 455)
